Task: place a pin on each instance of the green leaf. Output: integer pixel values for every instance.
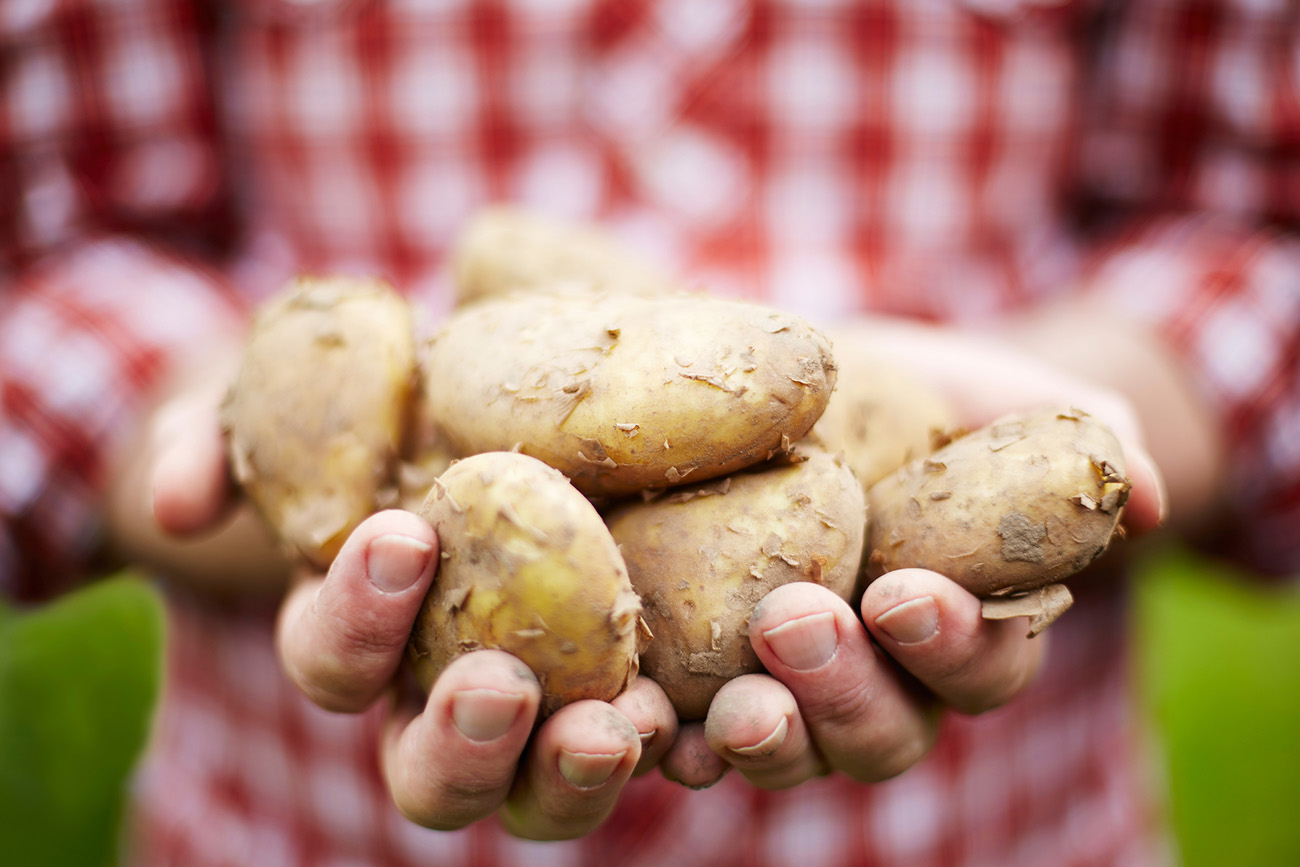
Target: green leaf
(1220, 677)
(79, 679)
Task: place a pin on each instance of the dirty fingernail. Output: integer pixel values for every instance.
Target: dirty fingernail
(395, 563)
(806, 642)
(768, 745)
(484, 714)
(589, 770)
(913, 622)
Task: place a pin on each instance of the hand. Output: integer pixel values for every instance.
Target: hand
(470, 749)
(467, 752)
(171, 505)
(841, 693)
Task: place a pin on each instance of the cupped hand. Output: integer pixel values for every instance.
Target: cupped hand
(474, 747)
(862, 695)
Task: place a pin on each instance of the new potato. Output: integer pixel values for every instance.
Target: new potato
(702, 556)
(318, 410)
(506, 249)
(623, 394)
(528, 567)
(1024, 502)
(880, 417)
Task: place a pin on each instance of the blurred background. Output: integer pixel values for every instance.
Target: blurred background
(1220, 679)
(1219, 675)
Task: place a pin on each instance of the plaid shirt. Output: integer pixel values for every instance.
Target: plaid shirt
(167, 162)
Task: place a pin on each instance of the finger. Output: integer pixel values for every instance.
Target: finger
(190, 485)
(455, 761)
(342, 638)
(691, 761)
(755, 725)
(646, 705)
(862, 717)
(580, 759)
(934, 629)
(1148, 503)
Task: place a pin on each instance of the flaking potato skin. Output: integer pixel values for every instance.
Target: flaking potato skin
(1026, 501)
(527, 567)
(624, 394)
(702, 557)
(316, 416)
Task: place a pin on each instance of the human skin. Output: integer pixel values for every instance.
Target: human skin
(829, 700)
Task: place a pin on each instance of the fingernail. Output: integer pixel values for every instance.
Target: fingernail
(806, 642)
(768, 745)
(589, 770)
(395, 563)
(1162, 493)
(647, 737)
(484, 714)
(912, 622)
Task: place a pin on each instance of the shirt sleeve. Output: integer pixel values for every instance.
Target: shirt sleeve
(112, 219)
(1189, 162)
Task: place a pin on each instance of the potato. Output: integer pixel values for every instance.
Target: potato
(505, 249)
(427, 454)
(317, 412)
(702, 556)
(1024, 502)
(623, 394)
(880, 417)
(528, 567)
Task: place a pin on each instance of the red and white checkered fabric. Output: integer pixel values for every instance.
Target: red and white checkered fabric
(163, 162)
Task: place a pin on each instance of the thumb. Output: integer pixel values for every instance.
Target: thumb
(189, 480)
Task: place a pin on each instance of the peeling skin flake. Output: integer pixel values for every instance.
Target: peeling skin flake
(675, 475)
(774, 325)
(455, 598)
(1042, 606)
(1001, 442)
(716, 381)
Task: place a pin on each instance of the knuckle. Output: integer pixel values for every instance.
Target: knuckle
(994, 690)
(890, 759)
(842, 708)
(362, 635)
(348, 663)
(447, 807)
(983, 678)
